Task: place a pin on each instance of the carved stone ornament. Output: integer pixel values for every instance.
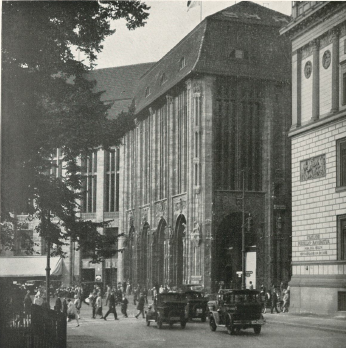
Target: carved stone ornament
(308, 69)
(160, 210)
(179, 206)
(313, 168)
(169, 99)
(197, 89)
(169, 233)
(196, 235)
(326, 59)
(334, 34)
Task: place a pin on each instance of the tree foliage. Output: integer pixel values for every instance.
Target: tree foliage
(48, 104)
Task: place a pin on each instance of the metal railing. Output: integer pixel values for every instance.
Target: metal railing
(36, 328)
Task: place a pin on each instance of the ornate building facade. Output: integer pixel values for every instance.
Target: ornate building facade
(318, 136)
(212, 117)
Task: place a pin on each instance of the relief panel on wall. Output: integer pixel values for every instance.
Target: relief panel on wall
(313, 168)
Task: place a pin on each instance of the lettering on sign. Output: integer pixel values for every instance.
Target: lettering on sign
(313, 168)
(314, 245)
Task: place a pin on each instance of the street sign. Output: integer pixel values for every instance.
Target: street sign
(248, 273)
(279, 207)
(239, 273)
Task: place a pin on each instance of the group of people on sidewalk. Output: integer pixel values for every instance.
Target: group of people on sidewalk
(273, 297)
(113, 298)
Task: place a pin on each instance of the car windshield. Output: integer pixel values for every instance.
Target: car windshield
(193, 295)
(171, 297)
(242, 298)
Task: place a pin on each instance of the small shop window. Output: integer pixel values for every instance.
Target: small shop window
(342, 301)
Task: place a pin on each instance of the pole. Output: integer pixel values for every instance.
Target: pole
(48, 264)
(243, 237)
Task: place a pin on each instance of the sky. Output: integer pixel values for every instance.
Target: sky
(168, 23)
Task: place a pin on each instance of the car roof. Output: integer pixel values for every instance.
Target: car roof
(238, 292)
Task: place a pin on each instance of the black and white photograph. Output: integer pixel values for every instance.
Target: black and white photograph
(173, 174)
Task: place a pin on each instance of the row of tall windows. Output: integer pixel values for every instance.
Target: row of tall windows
(89, 181)
(161, 141)
(112, 167)
(238, 125)
(180, 142)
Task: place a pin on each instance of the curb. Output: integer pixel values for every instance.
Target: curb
(306, 326)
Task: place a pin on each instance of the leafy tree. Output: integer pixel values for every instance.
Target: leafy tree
(47, 104)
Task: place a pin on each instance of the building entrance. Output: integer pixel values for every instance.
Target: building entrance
(178, 251)
(158, 256)
(227, 260)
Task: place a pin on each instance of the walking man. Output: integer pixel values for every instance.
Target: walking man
(111, 306)
(274, 301)
(140, 305)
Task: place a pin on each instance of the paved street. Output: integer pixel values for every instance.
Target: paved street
(131, 332)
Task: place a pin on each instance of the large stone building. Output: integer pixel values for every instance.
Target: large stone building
(318, 136)
(212, 118)
(214, 111)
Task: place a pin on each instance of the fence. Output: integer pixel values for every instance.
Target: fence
(41, 328)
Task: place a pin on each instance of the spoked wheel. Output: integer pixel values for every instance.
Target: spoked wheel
(257, 329)
(212, 324)
(183, 324)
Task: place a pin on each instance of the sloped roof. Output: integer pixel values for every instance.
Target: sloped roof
(207, 48)
(118, 85)
(27, 266)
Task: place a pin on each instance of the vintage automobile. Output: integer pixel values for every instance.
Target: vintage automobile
(197, 305)
(236, 310)
(168, 308)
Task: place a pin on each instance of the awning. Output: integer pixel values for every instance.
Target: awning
(28, 266)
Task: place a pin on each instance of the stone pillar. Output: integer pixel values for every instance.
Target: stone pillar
(189, 168)
(122, 210)
(315, 79)
(335, 69)
(297, 90)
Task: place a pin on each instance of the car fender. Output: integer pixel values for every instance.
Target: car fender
(216, 316)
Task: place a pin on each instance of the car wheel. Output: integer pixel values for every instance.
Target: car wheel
(183, 324)
(212, 324)
(257, 329)
(159, 322)
(230, 330)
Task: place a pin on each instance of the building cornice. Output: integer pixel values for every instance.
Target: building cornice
(312, 125)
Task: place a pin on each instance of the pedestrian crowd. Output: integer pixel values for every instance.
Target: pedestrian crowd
(277, 299)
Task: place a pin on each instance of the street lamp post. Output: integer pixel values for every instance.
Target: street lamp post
(48, 263)
(243, 237)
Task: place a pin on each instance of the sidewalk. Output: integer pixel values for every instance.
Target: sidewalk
(307, 321)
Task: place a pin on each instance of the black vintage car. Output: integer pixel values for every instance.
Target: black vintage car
(197, 305)
(168, 308)
(236, 310)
